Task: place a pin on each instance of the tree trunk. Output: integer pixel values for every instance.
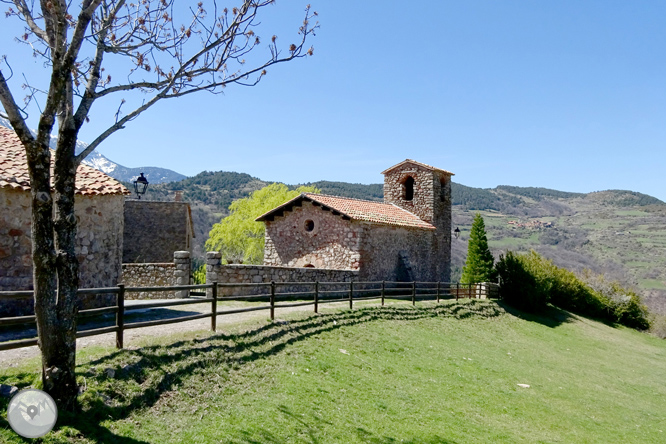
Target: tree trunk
(56, 266)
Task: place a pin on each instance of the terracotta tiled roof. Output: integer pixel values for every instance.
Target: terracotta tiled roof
(428, 167)
(356, 209)
(14, 170)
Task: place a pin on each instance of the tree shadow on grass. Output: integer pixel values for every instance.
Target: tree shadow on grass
(128, 381)
(550, 316)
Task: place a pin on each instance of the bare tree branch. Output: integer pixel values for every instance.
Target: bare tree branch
(25, 13)
(128, 49)
(14, 113)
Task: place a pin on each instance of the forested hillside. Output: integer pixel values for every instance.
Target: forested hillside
(616, 232)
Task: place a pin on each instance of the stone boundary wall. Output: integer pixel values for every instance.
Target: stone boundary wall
(256, 274)
(158, 274)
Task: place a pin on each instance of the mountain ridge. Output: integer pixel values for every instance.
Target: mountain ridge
(102, 163)
(618, 232)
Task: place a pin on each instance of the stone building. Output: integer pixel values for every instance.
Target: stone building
(99, 213)
(407, 237)
(154, 230)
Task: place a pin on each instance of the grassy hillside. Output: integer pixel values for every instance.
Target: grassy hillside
(446, 373)
(619, 233)
(626, 243)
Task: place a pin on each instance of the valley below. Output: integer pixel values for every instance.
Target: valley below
(618, 233)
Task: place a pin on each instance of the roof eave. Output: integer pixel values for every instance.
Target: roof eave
(301, 197)
(423, 165)
(279, 208)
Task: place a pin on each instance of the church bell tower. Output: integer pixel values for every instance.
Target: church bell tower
(426, 192)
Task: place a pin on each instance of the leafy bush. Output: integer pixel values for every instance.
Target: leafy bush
(199, 274)
(518, 286)
(658, 326)
(529, 281)
(623, 305)
(564, 288)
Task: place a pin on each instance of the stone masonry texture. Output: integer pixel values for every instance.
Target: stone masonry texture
(158, 274)
(149, 275)
(431, 202)
(98, 248)
(154, 230)
(309, 236)
(333, 242)
(257, 274)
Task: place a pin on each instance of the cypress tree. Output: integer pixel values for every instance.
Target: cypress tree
(479, 264)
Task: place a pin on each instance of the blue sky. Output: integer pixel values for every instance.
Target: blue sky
(568, 95)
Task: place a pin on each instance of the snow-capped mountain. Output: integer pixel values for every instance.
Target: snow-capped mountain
(99, 161)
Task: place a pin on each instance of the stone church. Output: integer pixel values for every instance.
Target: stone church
(407, 237)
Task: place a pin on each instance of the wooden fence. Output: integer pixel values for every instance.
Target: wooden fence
(320, 293)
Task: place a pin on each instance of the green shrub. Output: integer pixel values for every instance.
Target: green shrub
(623, 305)
(529, 281)
(658, 326)
(199, 274)
(518, 286)
(631, 312)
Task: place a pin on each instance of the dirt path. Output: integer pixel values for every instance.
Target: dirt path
(12, 358)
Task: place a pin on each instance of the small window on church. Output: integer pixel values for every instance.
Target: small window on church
(409, 188)
(309, 225)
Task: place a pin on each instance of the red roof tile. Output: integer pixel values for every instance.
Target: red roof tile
(357, 209)
(14, 170)
(428, 167)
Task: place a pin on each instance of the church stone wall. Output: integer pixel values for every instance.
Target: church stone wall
(378, 251)
(431, 202)
(395, 253)
(333, 242)
(424, 190)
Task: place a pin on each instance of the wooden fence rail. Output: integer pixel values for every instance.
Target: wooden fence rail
(355, 291)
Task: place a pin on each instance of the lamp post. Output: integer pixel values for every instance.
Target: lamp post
(140, 186)
(456, 233)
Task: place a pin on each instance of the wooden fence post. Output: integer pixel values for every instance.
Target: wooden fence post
(316, 301)
(351, 295)
(414, 293)
(213, 320)
(457, 290)
(438, 288)
(272, 300)
(383, 291)
(120, 315)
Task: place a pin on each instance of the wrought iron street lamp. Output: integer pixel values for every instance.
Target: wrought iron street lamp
(456, 233)
(140, 186)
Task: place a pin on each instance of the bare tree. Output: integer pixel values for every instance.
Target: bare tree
(112, 48)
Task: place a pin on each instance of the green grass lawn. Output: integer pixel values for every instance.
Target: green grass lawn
(637, 213)
(446, 373)
(653, 283)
